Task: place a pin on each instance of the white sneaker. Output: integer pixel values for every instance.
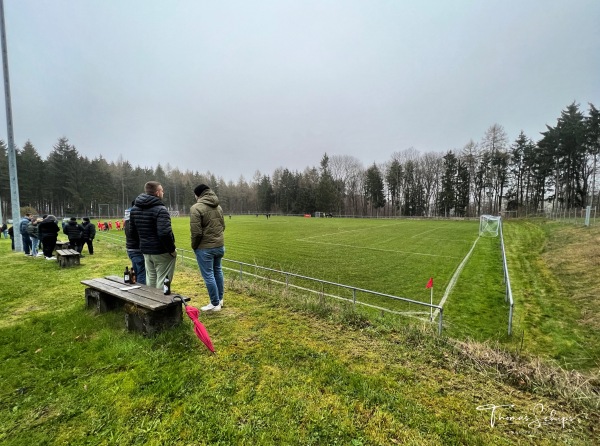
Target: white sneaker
(221, 303)
(211, 307)
(51, 258)
(39, 254)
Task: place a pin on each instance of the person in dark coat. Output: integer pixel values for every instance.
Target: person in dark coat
(24, 234)
(34, 235)
(150, 225)
(74, 231)
(48, 230)
(88, 235)
(11, 234)
(138, 264)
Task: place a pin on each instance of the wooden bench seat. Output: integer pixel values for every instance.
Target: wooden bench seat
(147, 310)
(67, 257)
(62, 245)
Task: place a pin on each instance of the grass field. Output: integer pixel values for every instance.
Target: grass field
(283, 374)
(397, 257)
(388, 256)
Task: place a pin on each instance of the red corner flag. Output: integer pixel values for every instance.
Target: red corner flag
(430, 283)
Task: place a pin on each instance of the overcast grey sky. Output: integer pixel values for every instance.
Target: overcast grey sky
(232, 87)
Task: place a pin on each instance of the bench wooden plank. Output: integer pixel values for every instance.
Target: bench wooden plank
(112, 288)
(143, 291)
(62, 245)
(67, 252)
(147, 310)
(146, 291)
(67, 257)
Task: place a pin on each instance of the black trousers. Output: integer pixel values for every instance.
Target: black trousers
(89, 243)
(49, 243)
(76, 244)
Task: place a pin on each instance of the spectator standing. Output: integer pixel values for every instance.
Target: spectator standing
(134, 252)
(11, 234)
(33, 231)
(89, 233)
(4, 230)
(206, 227)
(150, 225)
(74, 231)
(24, 234)
(48, 230)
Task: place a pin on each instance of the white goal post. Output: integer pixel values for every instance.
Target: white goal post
(489, 225)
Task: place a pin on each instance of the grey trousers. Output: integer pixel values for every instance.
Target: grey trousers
(158, 267)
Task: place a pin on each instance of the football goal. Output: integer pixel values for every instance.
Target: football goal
(489, 225)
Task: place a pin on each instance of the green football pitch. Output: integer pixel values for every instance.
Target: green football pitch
(390, 256)
(395, 257)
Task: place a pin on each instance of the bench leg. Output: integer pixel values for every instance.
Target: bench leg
(66, 261)
(150, 322)
(100, 301)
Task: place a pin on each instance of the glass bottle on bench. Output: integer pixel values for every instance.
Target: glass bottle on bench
(167, 286)
(126, 275)
(132, 276)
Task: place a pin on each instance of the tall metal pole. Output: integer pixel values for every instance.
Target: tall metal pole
(12, 156)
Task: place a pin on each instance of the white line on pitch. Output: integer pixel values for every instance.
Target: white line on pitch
(425, 232)
(377, 249)
(455, 278)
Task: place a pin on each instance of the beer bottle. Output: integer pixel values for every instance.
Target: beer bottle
(132, 275)
(126, 276)
(167, 286)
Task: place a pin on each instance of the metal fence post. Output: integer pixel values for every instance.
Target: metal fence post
(440, 323)
(510, 317)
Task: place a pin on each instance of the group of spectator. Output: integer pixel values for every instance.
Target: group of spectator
(150, 241)
(39, 234)
(80, 235)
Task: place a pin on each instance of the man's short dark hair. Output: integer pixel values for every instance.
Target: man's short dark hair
(151, 187)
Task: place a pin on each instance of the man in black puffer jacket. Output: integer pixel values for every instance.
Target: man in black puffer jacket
(150, 224)
(89, 232)
(74, 231)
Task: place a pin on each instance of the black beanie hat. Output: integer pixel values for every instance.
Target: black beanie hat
(73, 219)
(86, 218)
(199, 189)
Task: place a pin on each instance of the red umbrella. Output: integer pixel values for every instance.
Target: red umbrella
(199, 329)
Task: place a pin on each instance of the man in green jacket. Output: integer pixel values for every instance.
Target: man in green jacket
(206, 227)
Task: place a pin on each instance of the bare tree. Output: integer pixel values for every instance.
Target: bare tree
(495, 145)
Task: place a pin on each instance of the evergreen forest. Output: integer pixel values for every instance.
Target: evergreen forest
(526, 176)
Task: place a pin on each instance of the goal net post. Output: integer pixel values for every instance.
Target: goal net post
(489, 225)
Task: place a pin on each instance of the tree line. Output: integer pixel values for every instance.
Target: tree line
(558, 171)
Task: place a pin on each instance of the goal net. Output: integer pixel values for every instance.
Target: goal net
(489, 225)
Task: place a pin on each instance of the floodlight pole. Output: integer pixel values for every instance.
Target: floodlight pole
(12, 156)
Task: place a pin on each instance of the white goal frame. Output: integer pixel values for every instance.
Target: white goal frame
(489, 225)
(100, 207)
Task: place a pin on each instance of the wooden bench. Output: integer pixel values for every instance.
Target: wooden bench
(147, 310)
(67, 257)
(61, 245)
